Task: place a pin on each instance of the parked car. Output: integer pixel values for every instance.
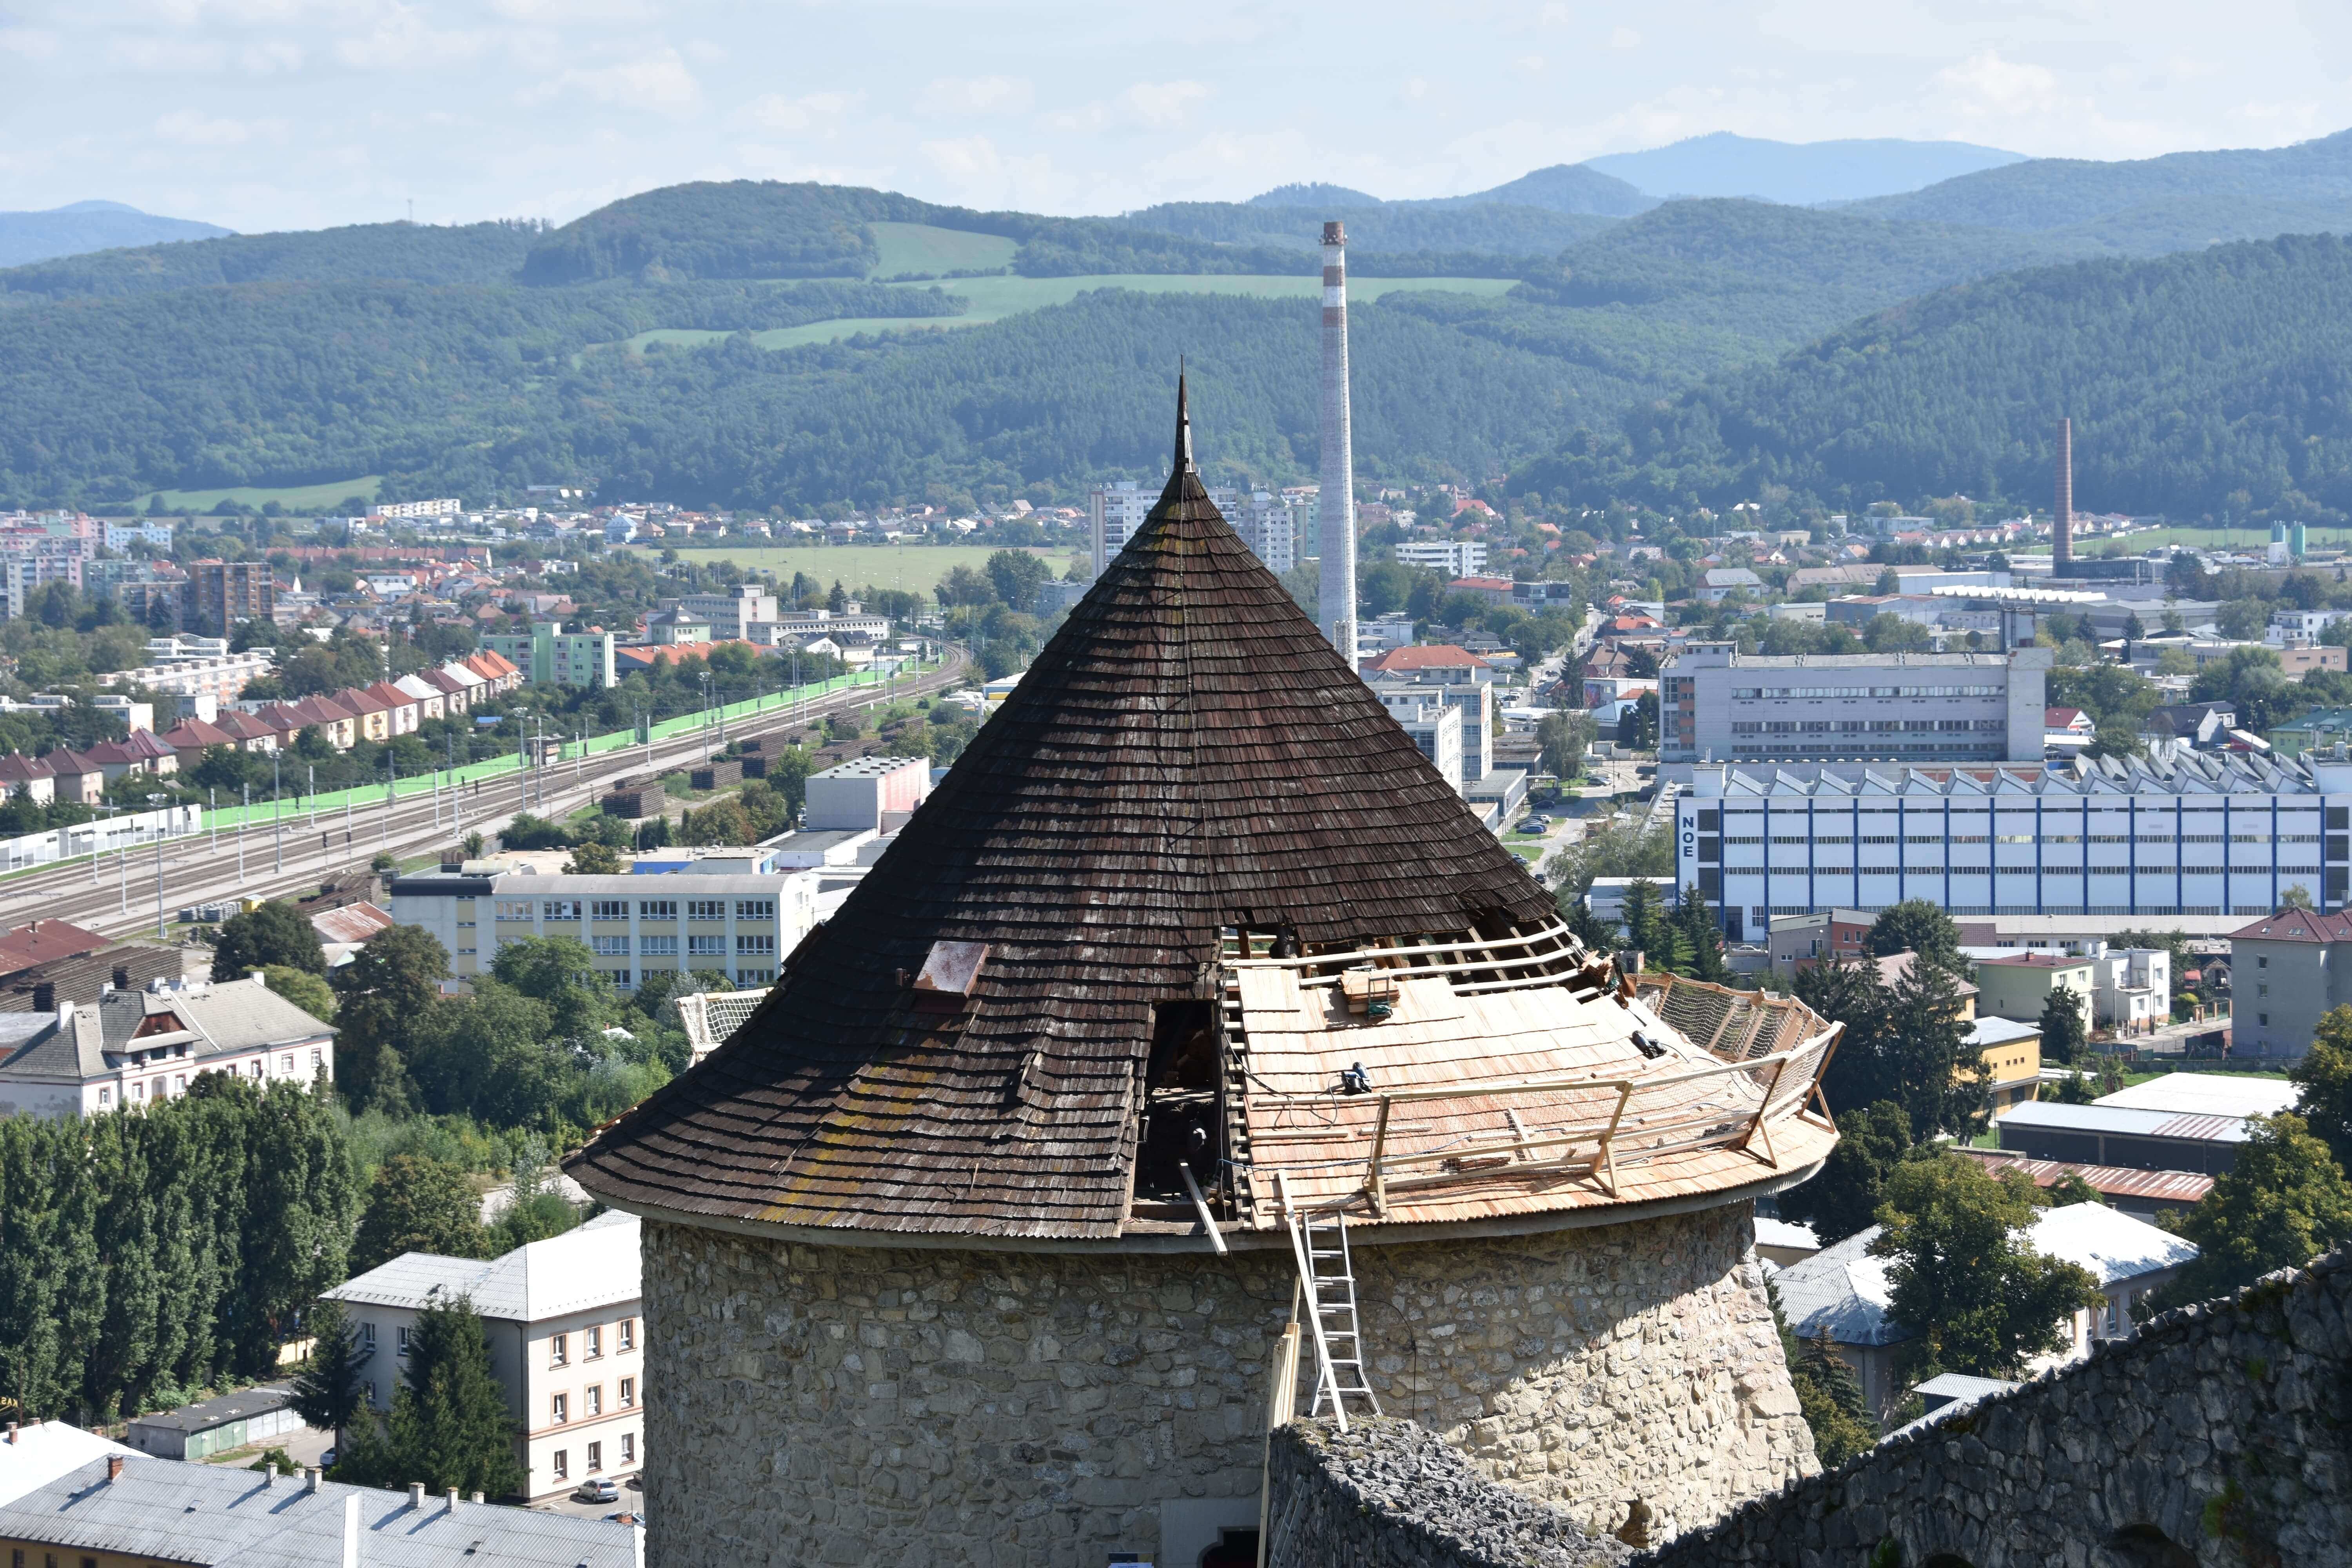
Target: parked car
(600, 1489)
(327, 1460)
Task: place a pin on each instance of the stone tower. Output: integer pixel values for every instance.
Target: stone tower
(970, 1245)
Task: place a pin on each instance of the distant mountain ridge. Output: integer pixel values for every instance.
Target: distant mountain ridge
(2053, 193)
(1802, 174)
(78, 228)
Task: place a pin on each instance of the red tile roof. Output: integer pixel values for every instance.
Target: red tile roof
(194, 736)
(1428, 656)
(17, 768)
(2297, 925)
(45, 940)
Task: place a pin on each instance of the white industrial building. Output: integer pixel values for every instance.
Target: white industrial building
(2196, 834)
(1455, 557)
(1716, 704)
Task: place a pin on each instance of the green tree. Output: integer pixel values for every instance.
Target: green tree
(1842, 1200)
(2282, 1204)
(1017, 576)
(1978, 1296)
(303, 988)
(1916, 925)
(2296, 897)
(418, 1205)
(1694, 925)
(560, 971)
(449, 1424)
(1562, 738)
(273, 933)
(2070, 1189)
(722, 822)
(2324, 1076)
(391, 988)
(2065, 1038)
(328, 1390)
(593, 859)
(1831, 1399)
(1925, 1038)
(1646, 926)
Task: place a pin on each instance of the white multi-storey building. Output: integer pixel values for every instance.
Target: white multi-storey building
(566, 1340)
(1113, 514)
(730, 615)
(1265, 524)
(740, 926)
(1717, 704)
(2192, 835)
(1458, 558)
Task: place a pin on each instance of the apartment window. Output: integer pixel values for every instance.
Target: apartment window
(610, 946)
(2264, 1018)
(758, 946)
(559, 908)
(560, 1463)
(139, 1089)
(628, 1448)
(403, 1347)
(658, 946)
(105, 1096)
(621, 979)
(629, 1333)
(257, 1066)
(755, 909)
(318, 1060)
(592, 1343)
(592, 1404)
(628, 1392)
(705, 947)
(514, 909)
(2262, 964)
(559, 1409)
(368, 1391)
(705, 909)
(596, 1458)
(608, 909)
(657, 909)
(367, 1335)
(559, 1349)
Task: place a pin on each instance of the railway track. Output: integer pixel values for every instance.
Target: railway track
(118, 896)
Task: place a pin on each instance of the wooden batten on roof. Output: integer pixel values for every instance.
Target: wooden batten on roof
(1189, 778)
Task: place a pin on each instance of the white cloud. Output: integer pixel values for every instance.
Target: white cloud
(1531, 64)
(1163, 104)
(1624, 39)
(30, 43)
(192, 128)
(774, 112)
(659, 82)
(981, 94)
(984, 175)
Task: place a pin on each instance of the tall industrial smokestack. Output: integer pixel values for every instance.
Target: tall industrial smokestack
(2061, 529)
(1336, 525)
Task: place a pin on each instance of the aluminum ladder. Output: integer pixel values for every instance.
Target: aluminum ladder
(1327, 1276)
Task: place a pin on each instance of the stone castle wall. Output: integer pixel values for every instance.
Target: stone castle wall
(821, 1404)
(2219, 1436)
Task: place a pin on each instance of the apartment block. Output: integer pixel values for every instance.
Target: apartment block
(2287, 970)
(2191, 835)
(1264, 520)
(1455, 558)
(740, 927)
(1474, 700)
(565, 1320)
(1435, 727)
(551, 657)
(1716, 704)
(1113, 514)
(222, 593)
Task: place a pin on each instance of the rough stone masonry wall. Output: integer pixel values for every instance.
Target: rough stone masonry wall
(2219, 1436)
(822, 1404)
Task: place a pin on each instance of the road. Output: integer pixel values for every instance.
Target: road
(118, 896)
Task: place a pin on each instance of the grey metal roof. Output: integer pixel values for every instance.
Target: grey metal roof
(2189, 774)
(2122, 1122)
(1843, 1289)
(1987, 1031)
(203, 1514)
(595, 1266)
(222, 1409)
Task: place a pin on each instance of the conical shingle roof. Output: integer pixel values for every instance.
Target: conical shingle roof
(1187, 755)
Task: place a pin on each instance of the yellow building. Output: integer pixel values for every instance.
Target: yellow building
(2012, 1061)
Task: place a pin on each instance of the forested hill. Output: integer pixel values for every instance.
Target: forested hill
(470, 253)
(2307, 178)
(2217, 379)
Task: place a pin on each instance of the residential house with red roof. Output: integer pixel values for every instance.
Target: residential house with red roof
(1435, 659)
(138, 752)
(2287, 971)
(30, 778)
(78, 779)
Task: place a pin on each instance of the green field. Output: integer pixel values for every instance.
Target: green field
(2241, 538)
(993, 298)
(920, 248)
(302, 501)
(917, 568)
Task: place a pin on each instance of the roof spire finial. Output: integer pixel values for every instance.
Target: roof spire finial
(1183, 425)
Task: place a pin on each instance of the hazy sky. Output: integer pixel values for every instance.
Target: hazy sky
(298, 114)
